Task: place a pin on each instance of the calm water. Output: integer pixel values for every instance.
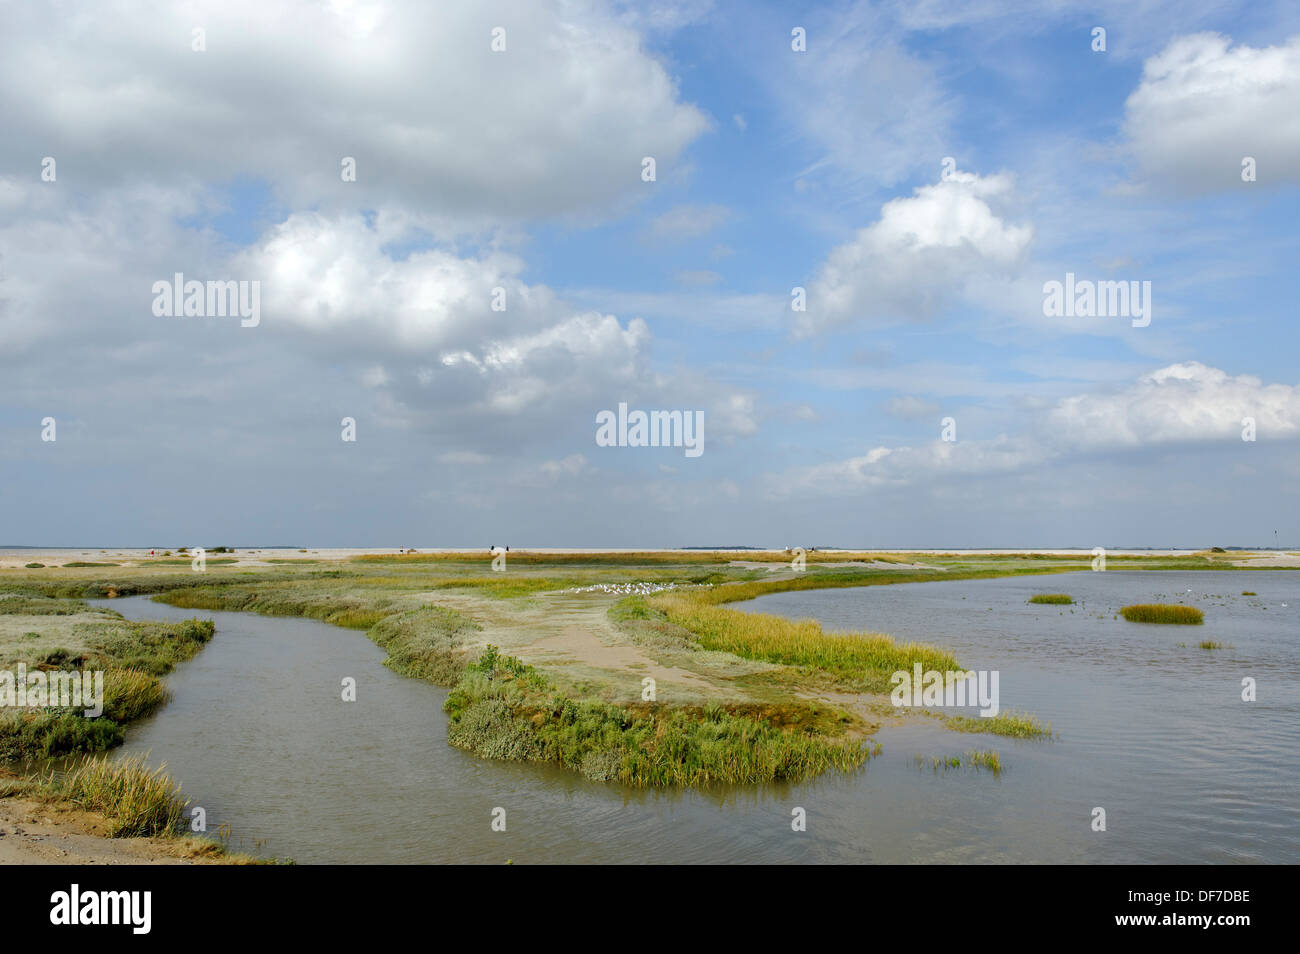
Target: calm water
(258, 735)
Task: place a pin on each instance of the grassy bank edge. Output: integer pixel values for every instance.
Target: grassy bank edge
(130, 801)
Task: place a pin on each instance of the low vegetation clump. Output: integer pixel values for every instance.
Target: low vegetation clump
(1249, 593)
(54, 731)
(502, 708)
(1056, 599)
(1017, 725)
(1162, 613)
(47, 733)
(34, 566)
(130, 694)
(1209, 644)
(136, 801)
(987, 761)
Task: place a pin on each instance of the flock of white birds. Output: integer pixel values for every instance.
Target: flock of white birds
(640, 589)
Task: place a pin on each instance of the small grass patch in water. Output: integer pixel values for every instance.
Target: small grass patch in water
(1249, 593)
(1163, 613)
(986, 760)
(1017, 725)
(937, 762)
(1210, 644)
(977, 760)
(1056, 599)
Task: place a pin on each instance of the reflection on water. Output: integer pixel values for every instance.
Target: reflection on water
(259, 736)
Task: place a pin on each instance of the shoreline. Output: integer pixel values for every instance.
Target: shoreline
(39, 829)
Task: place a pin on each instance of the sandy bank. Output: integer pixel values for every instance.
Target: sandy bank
(55, 833)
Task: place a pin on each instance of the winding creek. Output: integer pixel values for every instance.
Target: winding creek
(1157, 734)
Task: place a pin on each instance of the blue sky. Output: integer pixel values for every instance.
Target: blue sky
(520, 169)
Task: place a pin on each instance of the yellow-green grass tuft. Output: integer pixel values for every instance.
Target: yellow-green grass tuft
(136, 800)
(864, 660)
(987, 760)
(1162, 613)
(1017, 725)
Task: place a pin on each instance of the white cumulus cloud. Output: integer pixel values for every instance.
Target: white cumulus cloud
(919, 255)
(1203, 105)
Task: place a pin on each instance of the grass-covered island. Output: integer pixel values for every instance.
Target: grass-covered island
(1163, 613)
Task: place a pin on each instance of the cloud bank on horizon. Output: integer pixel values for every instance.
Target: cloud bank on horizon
(476, 227)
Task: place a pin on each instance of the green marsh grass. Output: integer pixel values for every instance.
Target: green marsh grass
(502, 708)
(137, 801)
(1017, 725)
(131, 655)
(937, 762)
(987, 760)
(349, 612)
(130, 694)
(425, 643)
(46, 733)
(861, 660)
(1162, 613)
(1056, 599)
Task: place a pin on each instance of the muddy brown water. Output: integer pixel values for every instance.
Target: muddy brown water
(258, 735)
